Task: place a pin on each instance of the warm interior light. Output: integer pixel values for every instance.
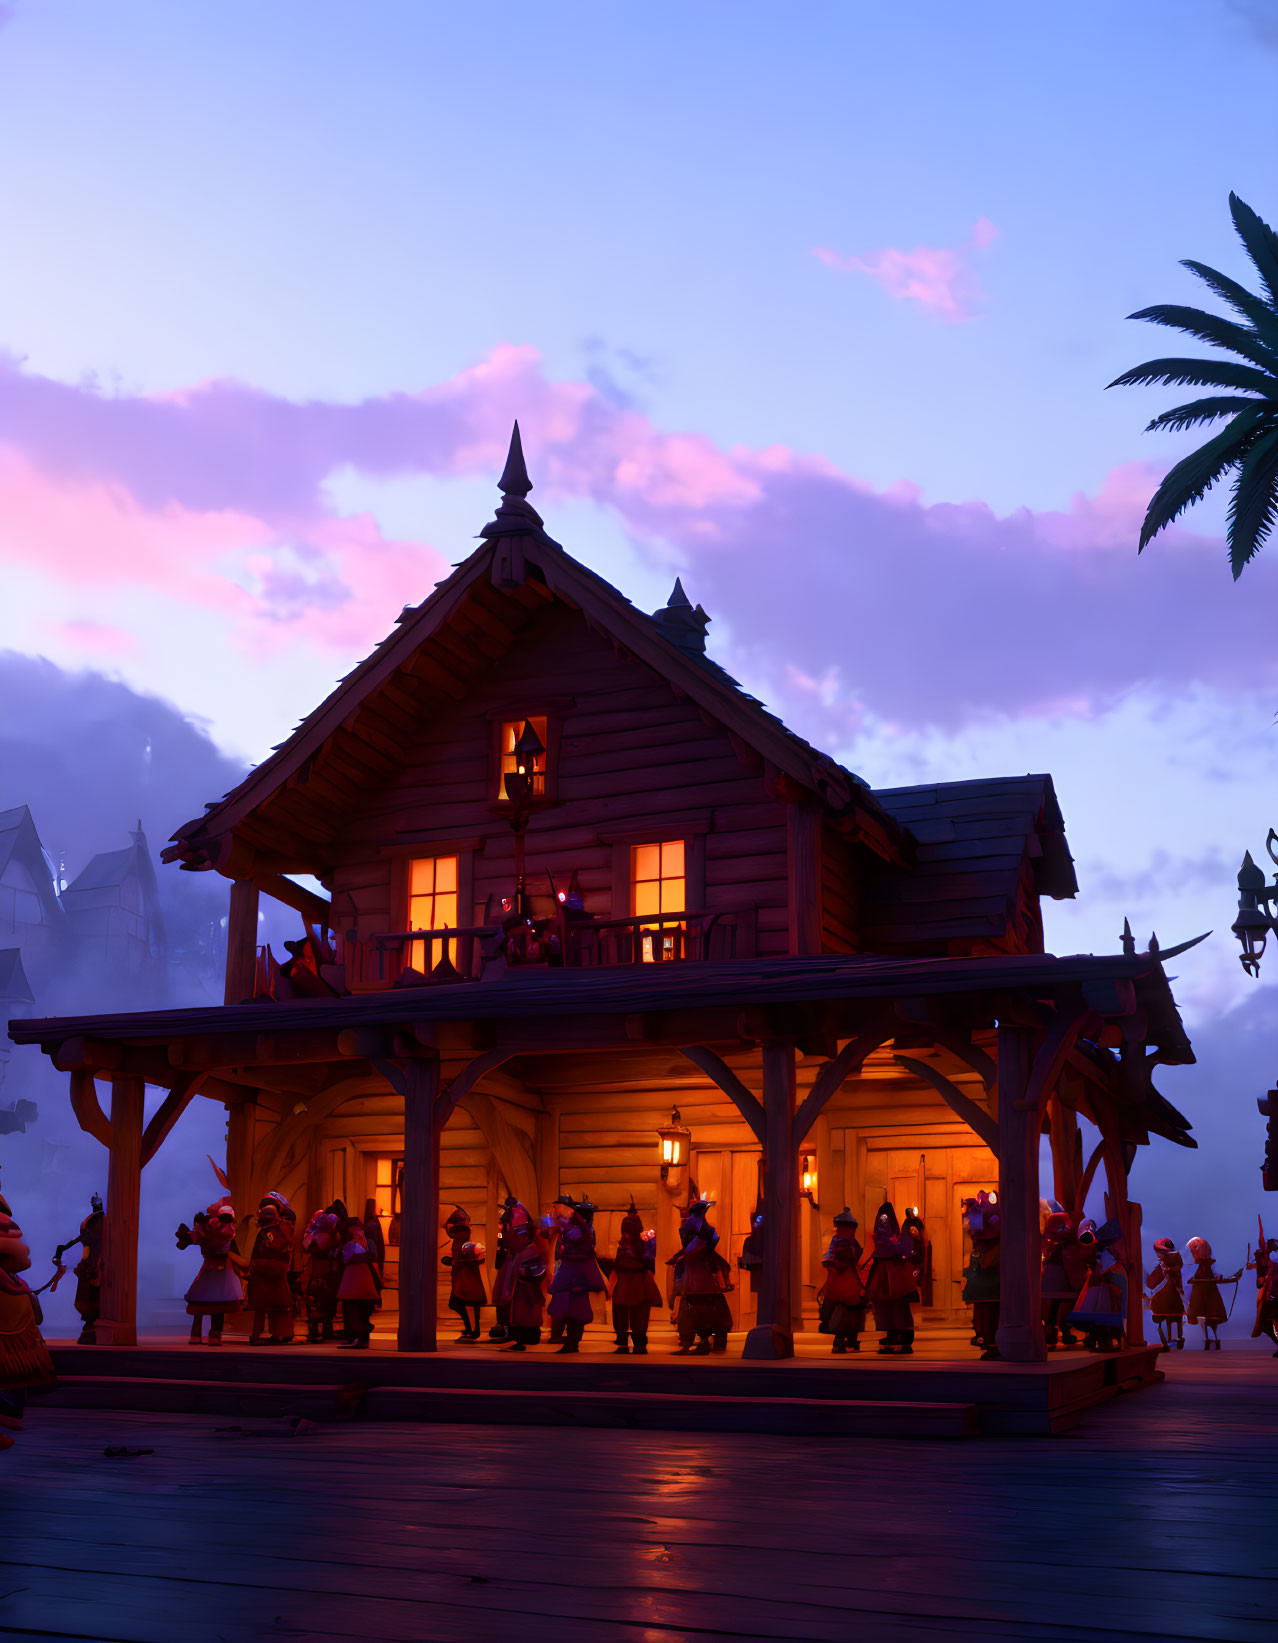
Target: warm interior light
(809, 1175)
(674, 1152)
(667, 1151)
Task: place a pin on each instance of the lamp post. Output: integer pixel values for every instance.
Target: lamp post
(1257, 914)
(520, 785)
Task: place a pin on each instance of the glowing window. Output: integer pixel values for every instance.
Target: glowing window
(388, 1192)
(432, 905)
(510, 734)
(658, 886)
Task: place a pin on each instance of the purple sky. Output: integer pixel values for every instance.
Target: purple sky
(813, 310)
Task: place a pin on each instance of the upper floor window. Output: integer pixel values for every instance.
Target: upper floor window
(659, 886)
(432, 905)
(513, 758)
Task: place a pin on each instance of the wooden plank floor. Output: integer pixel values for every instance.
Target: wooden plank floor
(1154, 1520)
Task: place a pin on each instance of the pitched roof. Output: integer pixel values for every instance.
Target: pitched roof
(973, 841)
(470, 619)
(19, 840)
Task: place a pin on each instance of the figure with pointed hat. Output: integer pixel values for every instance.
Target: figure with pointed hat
(634, 1287)
(269, 1297)
(217, 1289)
(24, 1358)
(87, 1271)
(1206, 1306)
(1266, 1265)
(890, 1283)
(322, 1247)
(1167, 1294)
(841, 1298)
(704, 1318)
(527, 1268)
(981, 1280)
(578, 1277)
(468, 1294)
(508, 1241)
(1101, 1310)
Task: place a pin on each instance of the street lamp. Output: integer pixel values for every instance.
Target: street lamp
(675, 1138)
(1257, 915)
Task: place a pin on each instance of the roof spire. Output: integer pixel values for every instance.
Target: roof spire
(515, 516)
(514, 479)
(684, 625)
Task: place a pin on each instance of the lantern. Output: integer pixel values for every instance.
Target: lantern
(529, 748)
(675, 1142)
(808, 1178)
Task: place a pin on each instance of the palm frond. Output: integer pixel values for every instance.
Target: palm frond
(1190, 480)
(1263, 315)
(1202, 410)
(1253, 508)
(1261, 243)
(1199, 373)
(1221, 333)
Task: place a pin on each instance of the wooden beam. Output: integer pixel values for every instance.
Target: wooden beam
(241, 942)
(86, 1107)
(511, 1148)
(461, 1085)
(720, 1073)
(975, 1117)
(120, 1227)
(167, 1114)
(419, 1216)
(1053, 1053)
(1020, 1326)
(830, 1080)
(306, 902)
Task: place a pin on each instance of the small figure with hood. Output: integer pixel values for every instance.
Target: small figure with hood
(890, 1284)
(1205, 1304)
(269, 1297)
(981, 1280)
(752, 1254)
(704, 1315)
(217, 1289)
(322, 1246)
(1101, 1311)
(24, 1358)
(359, 1288)
(1065, 1267)
(525, 1272)
(578, 1277)
(1266, 1264)
(87, 1271)
(466, 1259)
(634, 1288)
(841, 1297)
(503, 1281)
(1167, 1294)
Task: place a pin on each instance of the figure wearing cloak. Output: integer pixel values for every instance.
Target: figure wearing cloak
(1166, 1285)
(466, 1260)
(634, 1288)
(24, 1358)
(890, 1284)
(578, 1277)
(217, 1289)
(841, 1297)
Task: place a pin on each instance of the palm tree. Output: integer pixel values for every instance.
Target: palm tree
(1249, 442)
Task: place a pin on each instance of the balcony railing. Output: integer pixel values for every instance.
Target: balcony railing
(568, 940)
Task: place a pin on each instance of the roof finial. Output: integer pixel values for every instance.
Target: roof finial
(514, 479)
(683, 623)
(678, 596)
(1129, 940)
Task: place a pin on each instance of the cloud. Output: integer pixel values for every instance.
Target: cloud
(845, 600)
(937, 277)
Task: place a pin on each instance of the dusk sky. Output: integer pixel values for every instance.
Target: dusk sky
(812, 305)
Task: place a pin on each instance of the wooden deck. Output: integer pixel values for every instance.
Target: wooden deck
(1153, 1520)
(943, 1391)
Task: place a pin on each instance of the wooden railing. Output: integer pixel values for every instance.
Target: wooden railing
(586, 943)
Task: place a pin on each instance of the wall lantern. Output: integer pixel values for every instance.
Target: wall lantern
(528, 749)
(676, 1139)
(808, 1179)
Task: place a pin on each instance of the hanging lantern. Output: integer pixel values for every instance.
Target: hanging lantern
(676, 1139)
(808, 1178)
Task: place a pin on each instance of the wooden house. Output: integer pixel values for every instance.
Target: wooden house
(32, 918)
(575, 879)
(113, 909)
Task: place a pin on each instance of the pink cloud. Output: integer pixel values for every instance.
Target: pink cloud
(843, 601)
(937, 277)
(83, 633)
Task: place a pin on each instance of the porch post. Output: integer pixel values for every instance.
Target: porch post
(241, 941)
(773, 1335)
(119, 1320)
(419, 1214)
(1020, 1328)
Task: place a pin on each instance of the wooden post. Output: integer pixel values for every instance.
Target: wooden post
(241, 1130)
(119, 1322)
(1020, 1328)
(773, 1335)
(241, 942)
(1065, 1148)
(803, 841)
(419, 1217)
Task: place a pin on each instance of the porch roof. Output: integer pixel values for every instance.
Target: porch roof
(535, 995)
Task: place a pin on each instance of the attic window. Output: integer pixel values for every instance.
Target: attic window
(511, 731)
